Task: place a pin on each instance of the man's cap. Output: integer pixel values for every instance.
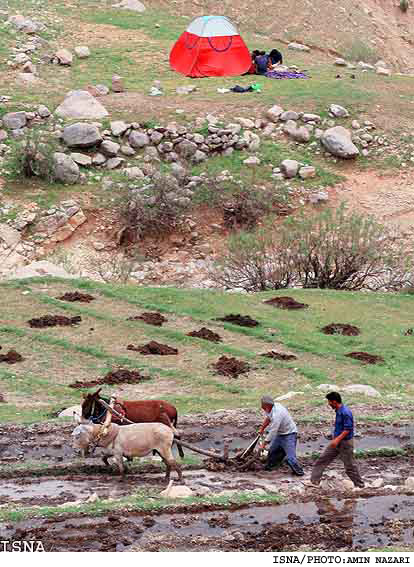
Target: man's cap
(267, 400)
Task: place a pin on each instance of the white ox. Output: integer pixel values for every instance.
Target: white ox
(136, 440)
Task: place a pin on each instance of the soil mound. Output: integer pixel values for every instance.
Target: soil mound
(54, 321)
(242, 320)
(230, 366)
(154, 348)
(11, 357)
(155, 319)
(119, 376)
(341, 329)
(279, 355)
(286, 303)
(206, 334)
(365, 357)
(76, 296)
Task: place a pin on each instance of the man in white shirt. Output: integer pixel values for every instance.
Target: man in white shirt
(282, 436)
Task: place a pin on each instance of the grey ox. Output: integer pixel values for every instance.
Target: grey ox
(136, 440)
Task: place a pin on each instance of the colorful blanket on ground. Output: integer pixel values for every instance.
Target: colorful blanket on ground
(285, 75)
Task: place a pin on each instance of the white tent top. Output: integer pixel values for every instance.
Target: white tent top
(212, 26)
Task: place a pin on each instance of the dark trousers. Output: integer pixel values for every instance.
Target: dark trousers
(284, 446)
(345, 451)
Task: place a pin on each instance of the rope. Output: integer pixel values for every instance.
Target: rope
(220, 50)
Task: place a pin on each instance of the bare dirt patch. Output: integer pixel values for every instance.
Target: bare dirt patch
(11, 357)
(155, 319)
(286, 303)
(241, 320)
(279, 355)
(154, 348)
(230, 366)
(54, 321)
(206, 334)
(76, 296)
(341, 329)
(119, 376)
(365, 357)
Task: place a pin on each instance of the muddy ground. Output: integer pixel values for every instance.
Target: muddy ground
(330, 517)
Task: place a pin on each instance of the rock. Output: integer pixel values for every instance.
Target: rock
(81, 159)
(65, 169)
(178, 171)
(199, 157)
(3, 135)
(40, 268)
(64, 57)
(14, 120)
(383, 71)
(252, 161)
(176, 491)
(298, 47)
(66, 231)
(114, 163)
(308, 117)
(117, 85)
(81, 105)
(134, 173)
(28, 67)
(337, 141)
(118, 127)
(377, 483)
(186, 149)
(138, 139)
(340, 62)
(347, 484)
(127, 150)
(355, 125)
(98, 90)
(82, 51)
(43, 111)
(338, 111)
(245, 122)
(307, 172)
(288, 396)
(9, 236)
(366, 66)
(363, 390)
(289, 115)
(25, 24)
(81, 135)
(299, 134)
(26, 79)
(274, 113)
(109, 148)
(154, 91)
(327, 387)
(184, 90)
(156, 138)
(319, 197)
(134, 5)
(68, 412)
(289, 168)
(409, 483)
(98, 159)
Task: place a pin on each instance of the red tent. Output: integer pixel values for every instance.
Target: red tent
(210, 47)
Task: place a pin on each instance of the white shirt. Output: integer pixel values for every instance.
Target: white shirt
(281, 422)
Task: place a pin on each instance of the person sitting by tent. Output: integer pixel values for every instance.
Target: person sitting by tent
(262, 63)
(252, 70)
(275, 57)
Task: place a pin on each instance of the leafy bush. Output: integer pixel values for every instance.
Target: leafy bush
(330, 250)
(404, 5)
(154, 210)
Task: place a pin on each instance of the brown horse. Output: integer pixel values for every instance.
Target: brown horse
(137, 411)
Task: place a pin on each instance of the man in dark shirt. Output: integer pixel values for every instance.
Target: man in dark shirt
(342, 444)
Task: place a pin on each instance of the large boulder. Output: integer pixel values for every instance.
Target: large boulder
(81, 135)
(81, 105)
(363, 390)
(14, 120)
(65, 169)
(338, 142)
(134, 5)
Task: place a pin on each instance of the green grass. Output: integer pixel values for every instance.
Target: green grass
(146, 501)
